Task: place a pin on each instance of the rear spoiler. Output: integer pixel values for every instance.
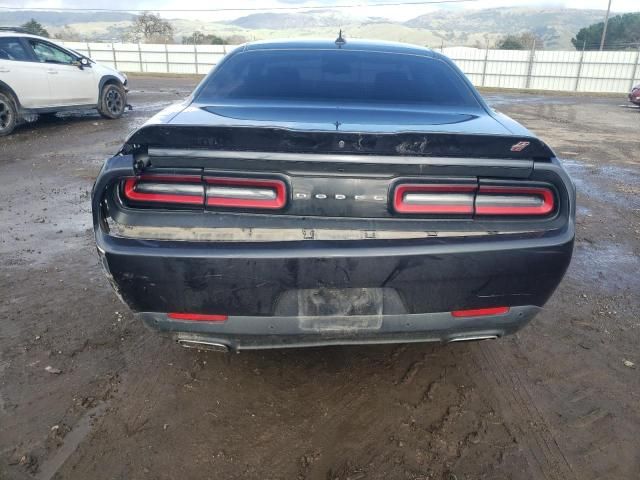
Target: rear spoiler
(266, 139)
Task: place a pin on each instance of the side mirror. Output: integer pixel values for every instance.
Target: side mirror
(81, 63)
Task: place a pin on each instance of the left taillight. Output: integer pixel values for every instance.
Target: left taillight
(247, 193)
(164, 189)
(250, 193)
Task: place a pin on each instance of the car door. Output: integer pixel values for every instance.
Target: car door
(23, 74)
(69, 84)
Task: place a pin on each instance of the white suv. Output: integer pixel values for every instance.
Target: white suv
(39, 76)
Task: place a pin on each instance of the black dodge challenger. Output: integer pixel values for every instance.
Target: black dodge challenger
(320, 192)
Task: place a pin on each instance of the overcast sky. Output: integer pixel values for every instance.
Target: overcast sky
(363, 7)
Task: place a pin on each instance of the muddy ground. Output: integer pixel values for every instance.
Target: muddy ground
(560, 400)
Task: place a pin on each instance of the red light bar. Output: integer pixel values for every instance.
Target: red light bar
(480, 312)
(164, 189)
(508, 200)
(198, 317)
(434, 199)
(233, 192)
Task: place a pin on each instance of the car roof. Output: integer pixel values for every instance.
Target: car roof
(350, 44)
(12, 33)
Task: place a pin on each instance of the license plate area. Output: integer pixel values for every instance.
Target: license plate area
(336, 309)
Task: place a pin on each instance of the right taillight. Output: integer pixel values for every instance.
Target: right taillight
(511, 200)
(471, 199)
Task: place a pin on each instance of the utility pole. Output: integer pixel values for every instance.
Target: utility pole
(606, 22)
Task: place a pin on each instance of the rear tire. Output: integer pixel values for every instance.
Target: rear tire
(8, 114)
(113, 101)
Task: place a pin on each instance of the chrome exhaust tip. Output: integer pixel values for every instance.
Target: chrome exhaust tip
(469, 338)
(203, 345)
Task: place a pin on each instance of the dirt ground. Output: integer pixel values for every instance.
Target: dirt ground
(560, 400)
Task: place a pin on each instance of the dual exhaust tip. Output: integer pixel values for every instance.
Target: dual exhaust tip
(211, 346)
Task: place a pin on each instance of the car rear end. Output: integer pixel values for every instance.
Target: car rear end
(243, 226)
(634, 95)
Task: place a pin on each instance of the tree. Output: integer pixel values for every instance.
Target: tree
(199, 38)
(151, 28)
(35, 28)
(67, 33)
(524, 41)
(623, 31)
(510, 42)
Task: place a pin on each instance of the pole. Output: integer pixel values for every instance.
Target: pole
(606, 23)
(113, 51)
(140, 57)
(166, 56)
(484, 66)
(530, 69)
(584, 46)
(195, 56)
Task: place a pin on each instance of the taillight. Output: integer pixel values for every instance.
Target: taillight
(471, 199)
(165, 189)
(434, 199)
(508, 200)
(194, 190)
(232, 192)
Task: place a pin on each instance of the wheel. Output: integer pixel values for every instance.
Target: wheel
(112, 101)
(8, 114)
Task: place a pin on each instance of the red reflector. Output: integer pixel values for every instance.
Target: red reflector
(198, 317)
(507, 200)
(232, 192)
(480, 312)
(434, 199)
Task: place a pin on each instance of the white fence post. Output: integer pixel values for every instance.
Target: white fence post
(575, 88)
(166, 56)
(531, 60)
(88, 50)
(484, 67)
(140, 57)
(195, 54)
(113, 51)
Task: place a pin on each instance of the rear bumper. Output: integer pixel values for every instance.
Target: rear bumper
(246, 333)
(248, 279)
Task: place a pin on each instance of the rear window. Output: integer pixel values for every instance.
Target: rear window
(337, 75)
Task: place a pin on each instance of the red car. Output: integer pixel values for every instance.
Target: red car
(634, 96)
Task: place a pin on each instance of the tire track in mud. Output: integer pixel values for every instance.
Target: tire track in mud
(504, 384)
